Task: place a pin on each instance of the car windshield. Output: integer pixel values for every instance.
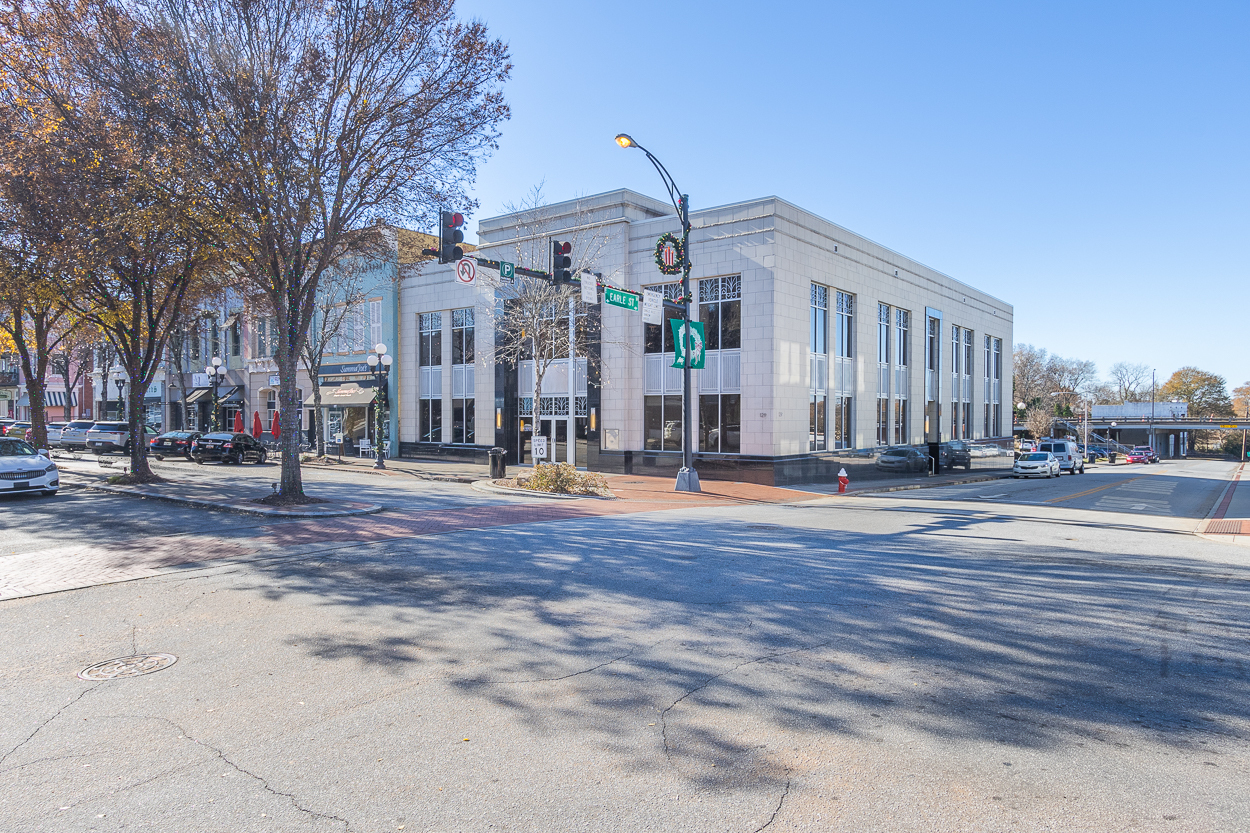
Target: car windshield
(178, 435)
(217, 437)
(110, 426)
(16, 448)
(1037, 458)
(80, 424)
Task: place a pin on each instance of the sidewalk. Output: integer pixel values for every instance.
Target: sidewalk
(1229, 520)
(87, 475)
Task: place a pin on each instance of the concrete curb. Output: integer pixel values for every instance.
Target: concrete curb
(491, 486)
(328, 510)
(911, 486)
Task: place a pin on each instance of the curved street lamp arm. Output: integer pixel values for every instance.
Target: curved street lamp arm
(674, 193)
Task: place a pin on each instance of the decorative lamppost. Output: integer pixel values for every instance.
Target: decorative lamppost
(379, 365)
(121, 403)
(687, 478)
(215, 374)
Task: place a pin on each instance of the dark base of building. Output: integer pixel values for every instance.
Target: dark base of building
(769, 471)
(819, 467)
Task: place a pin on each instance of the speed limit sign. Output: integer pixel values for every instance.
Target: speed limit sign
(466, 271)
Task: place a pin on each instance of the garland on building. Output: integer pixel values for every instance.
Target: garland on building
(669, 239)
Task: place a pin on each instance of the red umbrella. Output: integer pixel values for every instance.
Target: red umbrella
(238, 422)
(275, 427)
(256, 429)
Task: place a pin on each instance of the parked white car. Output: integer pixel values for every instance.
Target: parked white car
(1036, 464)
(74, 435)
(23, 469)
(114, 436)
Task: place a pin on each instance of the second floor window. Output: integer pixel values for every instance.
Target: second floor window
(902, 321)
(431, 349)
(720, 310)
(658, 338)
(462, 336)
(883, 333)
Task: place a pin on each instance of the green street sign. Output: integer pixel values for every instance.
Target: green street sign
(507, 271)
(697, 353)
(619, 298)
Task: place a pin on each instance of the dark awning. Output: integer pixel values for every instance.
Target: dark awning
(197, 394)
(233, 393)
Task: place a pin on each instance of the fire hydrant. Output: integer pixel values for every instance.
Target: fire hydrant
(843, 481)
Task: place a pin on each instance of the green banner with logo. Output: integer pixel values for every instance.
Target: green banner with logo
(695, 336)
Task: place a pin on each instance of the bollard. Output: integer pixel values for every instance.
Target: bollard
(498, 463)
(843, 481)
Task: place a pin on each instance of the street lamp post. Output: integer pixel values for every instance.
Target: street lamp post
(215, 374)
(687, 478)
(379, 365)
(121, 403)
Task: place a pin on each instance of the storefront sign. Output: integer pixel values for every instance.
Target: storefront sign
(274, 381)
(339, 369)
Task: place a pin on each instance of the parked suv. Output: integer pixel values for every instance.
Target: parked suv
(113, 436)
(1069, 456)
(74, 435)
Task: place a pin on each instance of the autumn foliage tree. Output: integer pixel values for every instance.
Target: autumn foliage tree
(313, 120)
(103, 192)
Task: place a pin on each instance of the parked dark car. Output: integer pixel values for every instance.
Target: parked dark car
(228, 448)
(173, 444)
(903, 458)
(955, 453)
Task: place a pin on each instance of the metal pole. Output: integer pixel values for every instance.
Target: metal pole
(687, 478)
(570, 431)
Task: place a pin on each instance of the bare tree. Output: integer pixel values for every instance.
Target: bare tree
(1128, 380)
(531, 320)
(1030, 381)
(341, 295)
(1038, 420)
(72, 362)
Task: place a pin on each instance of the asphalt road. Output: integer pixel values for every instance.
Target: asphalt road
(967, 658)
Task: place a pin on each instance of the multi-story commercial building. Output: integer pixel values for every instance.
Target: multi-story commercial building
(822, 347)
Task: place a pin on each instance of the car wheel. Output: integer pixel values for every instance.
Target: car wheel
(160, 456)
(238, 458)
(198, 460)
(260, 461)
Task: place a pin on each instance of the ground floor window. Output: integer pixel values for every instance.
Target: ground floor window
(431, 420)
(900, 422)
(883, 421)
(817, 410)
(720, 423)
(662, 423)
(462, 420)
(840, 424)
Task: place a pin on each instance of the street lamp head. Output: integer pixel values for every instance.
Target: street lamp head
(380, 348)
(216, 362)
(372, 360)
(386, 360)
(625, 141)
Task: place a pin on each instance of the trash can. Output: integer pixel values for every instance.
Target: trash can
(498, 463)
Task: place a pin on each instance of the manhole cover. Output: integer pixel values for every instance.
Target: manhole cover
(135, 666)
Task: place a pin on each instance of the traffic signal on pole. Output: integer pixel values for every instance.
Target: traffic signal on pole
(449, 234)
(560, 262)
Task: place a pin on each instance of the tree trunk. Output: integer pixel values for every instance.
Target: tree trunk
(291, 482)
(135, 395)
(35, 369)
(318, 427)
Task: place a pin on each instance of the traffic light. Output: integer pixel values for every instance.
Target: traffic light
(560, 262)
(449, 234)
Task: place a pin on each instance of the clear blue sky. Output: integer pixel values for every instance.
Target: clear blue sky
(1086, 162)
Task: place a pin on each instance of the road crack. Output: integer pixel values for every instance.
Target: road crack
(39, 728)
(258, 778)
(777, 809)
(668, 752)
